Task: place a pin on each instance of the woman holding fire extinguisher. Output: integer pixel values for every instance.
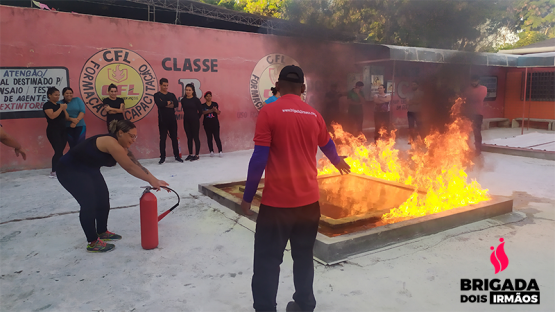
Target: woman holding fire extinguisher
(79, 173)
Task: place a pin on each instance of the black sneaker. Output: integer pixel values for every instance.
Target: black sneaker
(179, 159)
(100, 246)
(292, 306)
(162, 160)
(189, 157)
(194, 158)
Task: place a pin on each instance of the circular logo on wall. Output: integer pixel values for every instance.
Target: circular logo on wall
(130, 72)
(265, 75)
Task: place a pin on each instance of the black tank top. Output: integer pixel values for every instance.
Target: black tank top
(86, 153)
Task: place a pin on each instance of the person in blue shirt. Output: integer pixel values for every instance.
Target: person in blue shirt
(276, 95)
(75, 124)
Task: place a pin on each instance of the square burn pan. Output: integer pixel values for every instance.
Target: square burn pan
(346, 232)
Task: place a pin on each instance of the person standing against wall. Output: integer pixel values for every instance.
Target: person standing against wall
(79, 174)
(474, 109)
(274, 97)
(114, 105)
(356, 116)
(414, 106)
(382, 120)
(332, 110)
(287, 136)
(56, 115)
(211, 110)
(75, 124)
(192, 110)
(167, 123)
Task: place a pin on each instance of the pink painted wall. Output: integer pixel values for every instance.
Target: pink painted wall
(36, 38)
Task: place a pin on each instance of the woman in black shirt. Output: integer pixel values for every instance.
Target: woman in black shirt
(192, 110)
(211, 110)
(56, 130)
(79, 173)
(114, 106)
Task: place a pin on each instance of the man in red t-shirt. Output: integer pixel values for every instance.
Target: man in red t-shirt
(474, 109)
(287, 136)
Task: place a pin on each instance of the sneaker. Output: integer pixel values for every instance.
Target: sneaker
(195, 158)
(292, 306)
(211, 154)
(109, 236)
(52, 175)
(100, 246)
(189, 157)
(179, 159)
(221, 155)
(162, 160)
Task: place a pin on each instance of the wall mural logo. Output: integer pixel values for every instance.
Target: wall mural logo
(509, 291)
(498, 257)
(265, 75)
(126, 69)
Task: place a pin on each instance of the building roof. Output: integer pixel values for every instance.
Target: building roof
(376, 53)
(538, 47)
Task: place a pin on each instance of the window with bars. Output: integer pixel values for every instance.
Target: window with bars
(540, 86)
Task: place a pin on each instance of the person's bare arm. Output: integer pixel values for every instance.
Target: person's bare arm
(54, 114)
(10, 141)
(127, 161)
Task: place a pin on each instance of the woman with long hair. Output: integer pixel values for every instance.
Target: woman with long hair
(56, 130)
(75, 124)
(211, 110)
(192, 110)
(79, 173)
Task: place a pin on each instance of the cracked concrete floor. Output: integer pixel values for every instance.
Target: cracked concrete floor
(204, 260)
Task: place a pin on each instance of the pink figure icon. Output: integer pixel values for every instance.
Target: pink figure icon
(498, 258)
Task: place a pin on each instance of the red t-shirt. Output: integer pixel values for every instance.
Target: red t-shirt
(293, 130)
(475, 99)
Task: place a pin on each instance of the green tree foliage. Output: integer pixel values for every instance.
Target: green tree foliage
(444, 24)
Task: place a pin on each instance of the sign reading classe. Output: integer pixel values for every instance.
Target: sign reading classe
(23, 89)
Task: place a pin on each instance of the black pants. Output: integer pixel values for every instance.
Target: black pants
(274, 227)
(165, 127)
(192, 129)
(76, 135)
(414, 124)
(89, 189)
(381, 122)
(356, 118)
(213, 130)
(58, 139)
(477, 129)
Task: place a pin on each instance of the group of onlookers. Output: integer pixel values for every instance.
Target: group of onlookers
(472, 109)
(66, 122)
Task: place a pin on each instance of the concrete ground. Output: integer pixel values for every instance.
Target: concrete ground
(204, 259)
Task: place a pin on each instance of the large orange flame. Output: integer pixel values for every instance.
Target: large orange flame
(434, 166)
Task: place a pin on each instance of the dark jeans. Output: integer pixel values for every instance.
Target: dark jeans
(192, 128)
(213, 130)
(356, 118)
(414, 124)
(165, 127)
(76, 135)
(381, 122)
(58, 139)
(274, 227)
(89, 189)
(477, 129)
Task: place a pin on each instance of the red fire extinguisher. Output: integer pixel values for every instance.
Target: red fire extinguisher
(150, 218)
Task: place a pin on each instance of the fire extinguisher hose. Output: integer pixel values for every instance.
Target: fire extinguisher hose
(160, 217)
